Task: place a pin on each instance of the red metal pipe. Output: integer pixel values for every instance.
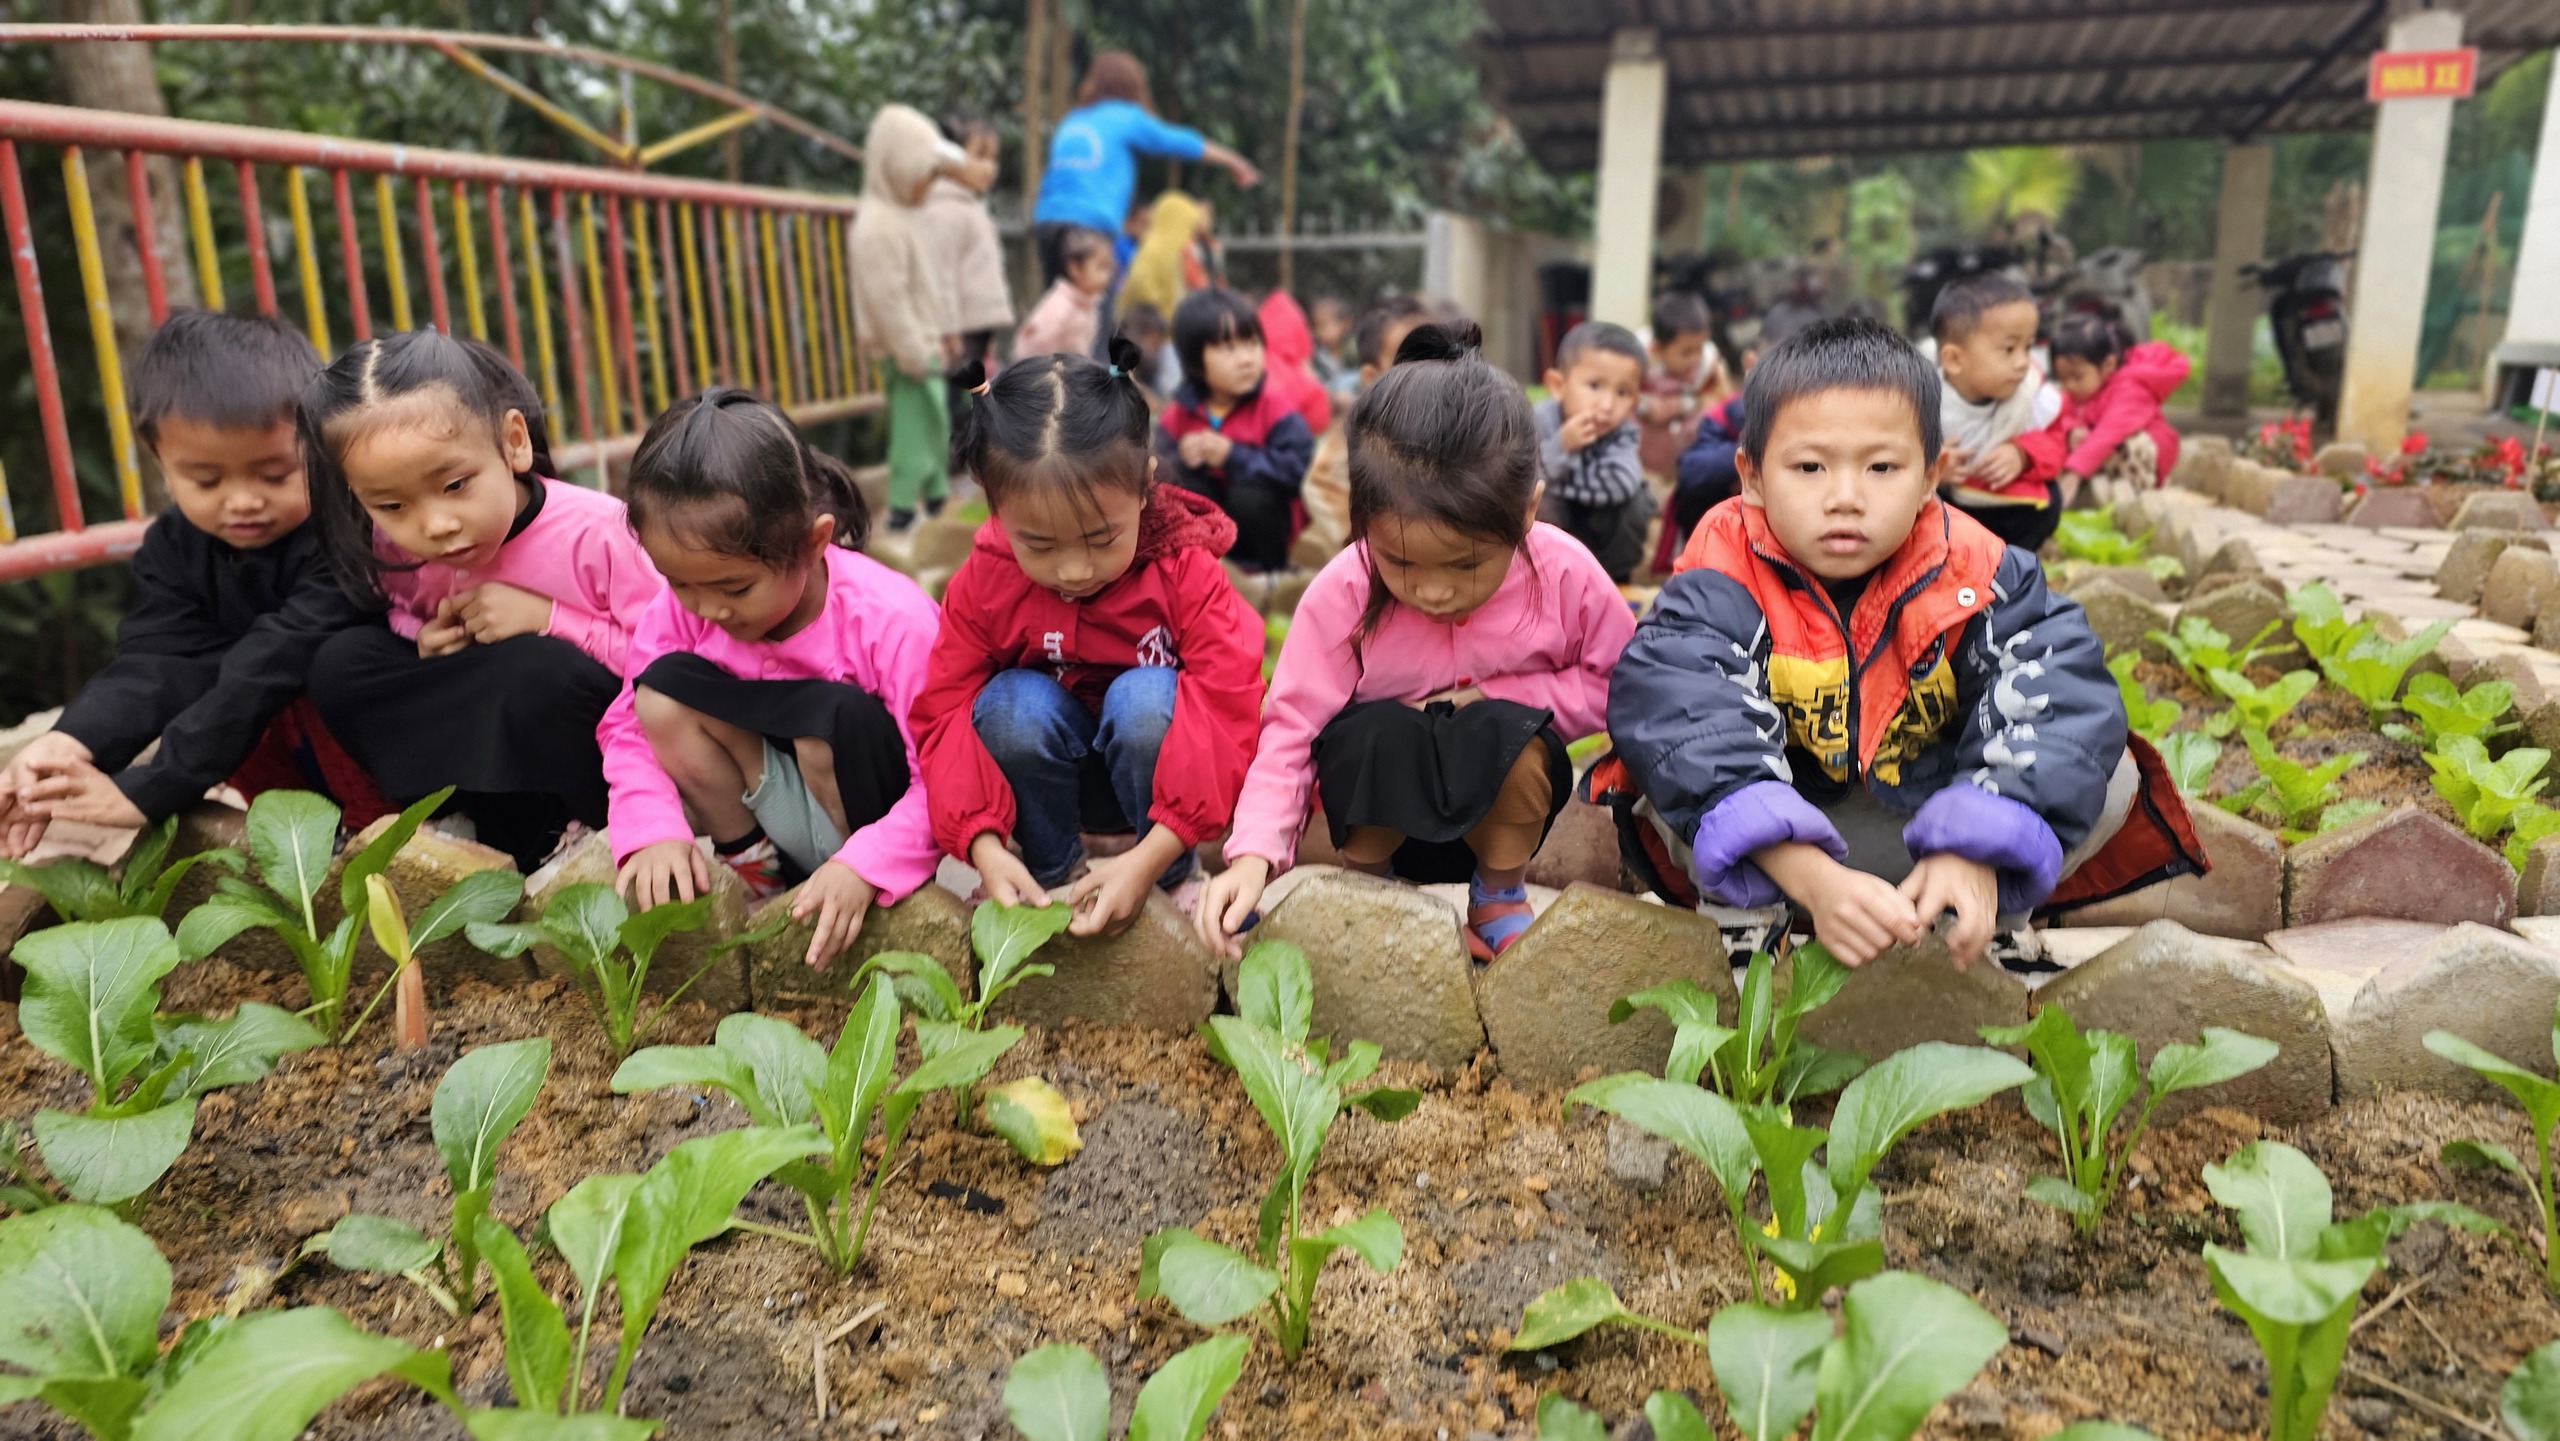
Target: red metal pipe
(155, 286)
(261, 276)
(759, 339)
(503, 274)
(48, 378)
(430, 257)
(673, 289)
(71, 125)
(714, 280)
(70, 549)
(575, 331)
(618, 296)
(828, 353)
(351, 253)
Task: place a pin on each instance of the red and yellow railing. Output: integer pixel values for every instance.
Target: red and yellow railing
(658, 285)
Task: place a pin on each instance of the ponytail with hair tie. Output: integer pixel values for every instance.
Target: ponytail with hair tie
(1442, 340)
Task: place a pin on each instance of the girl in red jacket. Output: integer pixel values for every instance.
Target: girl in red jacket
(1096, 670)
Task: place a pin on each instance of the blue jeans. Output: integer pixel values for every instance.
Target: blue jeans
(1072, 770)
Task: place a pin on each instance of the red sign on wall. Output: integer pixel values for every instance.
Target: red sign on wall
(2422, 74)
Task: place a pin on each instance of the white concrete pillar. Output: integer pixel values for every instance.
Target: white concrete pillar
(1631, 107)
(2533, 307)
(2396, 247)
(2232, 309)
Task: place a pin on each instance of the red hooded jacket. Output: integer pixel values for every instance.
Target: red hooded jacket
(1174, 607)
(1288, 346)
(2130, 401)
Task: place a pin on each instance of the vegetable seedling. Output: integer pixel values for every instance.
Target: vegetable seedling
(2296, 1284)
(2255, 707)
(1029, 1113)
(610, 950)
(2530, 1401)
(782, 1079)
(2371, 668)
(1059, 1393)
(91, 992)
(2200, 648)
(1298, 1090)
(2089, 536)
(1758, 1060)
(293, 837)
(2486, 794)
(1906, 1343)
(2302, 797)
(2443, 710)
(2541, 1100)
(83, 890)
(2191, 757)
(2084, 1081)
(478, 1104)
(2321, 623)
(2149, 718)
(81, 1296)
(2531, 822)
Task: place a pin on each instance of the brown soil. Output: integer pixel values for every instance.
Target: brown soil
(2328, 723)
(1499, 1200)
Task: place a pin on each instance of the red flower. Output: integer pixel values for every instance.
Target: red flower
(2414, 443)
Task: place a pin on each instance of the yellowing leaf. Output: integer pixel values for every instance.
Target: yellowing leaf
(1034, 1117)
(390, 925)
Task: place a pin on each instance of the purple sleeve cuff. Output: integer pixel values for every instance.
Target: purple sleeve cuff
(1968, 821)
(1764, 813)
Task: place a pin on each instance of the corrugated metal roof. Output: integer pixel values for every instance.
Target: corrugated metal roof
(1756, 78)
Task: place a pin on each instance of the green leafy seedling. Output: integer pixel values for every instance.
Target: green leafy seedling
(2149, 718)
(1059, 1393)
(1298, 1089)
(2200, 649)
(782, 1079)
(2442, 709)
(293, 837)
(2255, 707)
(1030, 1113)
(2296, 1284)
(1906, 1343)
(1758, 1059)
(81, 1296)
(2371, 668)
(2320, 622)
(483, 1097)
(2530, 1401)
(610, 950)
(2085, 1080)
(92, 992)
(83, 890)
(2299, 795)
(2541, 1100)
(2531, 822)
(2190, 757)
(2088, 535)
(2486, 794)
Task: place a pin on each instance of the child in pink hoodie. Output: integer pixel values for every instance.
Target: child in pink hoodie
(1436, 667)
(510, 594)
(770, 682)
(2110, 427)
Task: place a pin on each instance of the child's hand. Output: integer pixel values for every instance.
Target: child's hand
(1001, 873)
(75, 790)
(493, 611)
(1856, 915)
(666, 871)
(1461, 698)
(2069, 481)
(1203, 448)
(1112, 892)
(838, 898)
(1579, 430)
(21, 823)
(2001, 465)
(444, 633)
(2075, 435)
(1945, 882)
(1226, 900)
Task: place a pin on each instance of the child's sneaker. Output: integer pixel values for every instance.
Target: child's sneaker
(1495, 918)
(759, 868)
(901, 520)
(2021, 952)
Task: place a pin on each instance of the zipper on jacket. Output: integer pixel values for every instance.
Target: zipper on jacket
(1789, 571)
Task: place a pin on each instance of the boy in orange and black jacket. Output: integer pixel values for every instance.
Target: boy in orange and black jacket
(1853, 697)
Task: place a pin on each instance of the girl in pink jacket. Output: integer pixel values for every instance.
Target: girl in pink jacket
(509, 594)
(770, 681)
(1437, 667)
(2110, 426)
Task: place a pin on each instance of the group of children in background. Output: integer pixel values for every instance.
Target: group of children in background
(1850, 695)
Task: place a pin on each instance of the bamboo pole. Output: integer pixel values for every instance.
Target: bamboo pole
(1289, 141)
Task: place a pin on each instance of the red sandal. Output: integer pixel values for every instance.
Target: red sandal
(1495, 911)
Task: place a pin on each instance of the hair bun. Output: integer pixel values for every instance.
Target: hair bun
(971, 375)
(1127, 358)
(1441, 340)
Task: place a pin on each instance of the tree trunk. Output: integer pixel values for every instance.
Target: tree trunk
(729, 76)
(1289, 141)
(1035, 98)
(119, 77)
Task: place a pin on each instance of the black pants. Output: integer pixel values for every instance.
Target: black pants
(1614, 533)
(511, 726)
(2027, 527)
(1261, 514)
(1429, 775)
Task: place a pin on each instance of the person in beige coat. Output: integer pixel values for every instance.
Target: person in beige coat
(963, 236)
(903, 309)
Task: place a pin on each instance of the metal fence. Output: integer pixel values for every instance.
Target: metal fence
(627, 289)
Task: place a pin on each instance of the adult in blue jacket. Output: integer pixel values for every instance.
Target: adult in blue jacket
(1093, 159)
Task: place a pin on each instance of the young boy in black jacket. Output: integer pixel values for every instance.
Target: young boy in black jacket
(232, 597)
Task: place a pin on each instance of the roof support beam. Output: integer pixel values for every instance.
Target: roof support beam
(1891, 74)
(2121, 11)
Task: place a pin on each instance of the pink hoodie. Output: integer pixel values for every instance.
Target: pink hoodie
(579, 551)
(2129, 401)
(875, 631)
(1546, 638)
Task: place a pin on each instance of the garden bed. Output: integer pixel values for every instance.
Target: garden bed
(979, 1257)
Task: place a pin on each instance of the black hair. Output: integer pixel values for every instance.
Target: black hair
(1079, 244)
(230, 372)
(967, 121)
(726, 471)
(1369, 336)
(2085, 335)
(1593, 335)
(1961, 305)
(372, 374)
(1843, 354)
(1211, 317)
(1442, 436)
(1056, 421)
(1680, 312)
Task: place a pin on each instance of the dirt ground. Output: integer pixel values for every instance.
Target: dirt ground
(978, 1258)
(2328, 723)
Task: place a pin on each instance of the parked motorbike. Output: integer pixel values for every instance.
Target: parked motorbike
(2307, 310)
(1934, 270)
(2106, 282)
